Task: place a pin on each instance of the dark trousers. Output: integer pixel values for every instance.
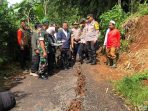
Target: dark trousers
(75, 50)
(24, 57)
(83, 53)
(91, 50)
(51, 62)
(35, 63)
(66, 57)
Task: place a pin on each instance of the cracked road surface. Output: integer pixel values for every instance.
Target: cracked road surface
(57, 93)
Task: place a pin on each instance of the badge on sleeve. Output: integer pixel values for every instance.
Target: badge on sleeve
(96, 26)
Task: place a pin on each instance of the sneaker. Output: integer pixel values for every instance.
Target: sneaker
(25, 72)
(114, 66)
(88, 61)
(33, 74)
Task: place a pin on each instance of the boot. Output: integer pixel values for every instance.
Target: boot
(89, 61)
(114, 64)
(93, 62)
(107, 62)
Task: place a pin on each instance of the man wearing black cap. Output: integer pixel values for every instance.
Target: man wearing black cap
(75, 37)
(91, 38)
(83, 53)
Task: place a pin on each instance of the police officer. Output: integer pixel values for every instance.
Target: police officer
(83, 53)
(75, 39)
(91, 38)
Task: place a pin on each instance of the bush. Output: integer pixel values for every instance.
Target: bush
(133, 88)
(143, 9)
(124, 45)
(116, 14)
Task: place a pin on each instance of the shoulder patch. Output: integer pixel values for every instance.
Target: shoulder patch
(96, 25)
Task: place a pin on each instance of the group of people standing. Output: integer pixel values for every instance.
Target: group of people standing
(75, 44)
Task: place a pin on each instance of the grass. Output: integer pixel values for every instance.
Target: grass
(134, 89)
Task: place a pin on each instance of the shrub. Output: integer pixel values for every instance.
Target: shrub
(143, 9)
(133, 89)
(116, 14)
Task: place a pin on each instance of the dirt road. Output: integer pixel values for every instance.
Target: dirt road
(58, 92)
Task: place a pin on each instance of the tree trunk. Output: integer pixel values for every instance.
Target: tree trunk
(119, 2)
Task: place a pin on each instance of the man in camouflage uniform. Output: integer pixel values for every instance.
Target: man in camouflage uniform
(42, 45)
(91, 38)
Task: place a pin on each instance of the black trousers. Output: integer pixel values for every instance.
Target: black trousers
(24, 56)
(83, 52)
(66, 57)
(91, 50)
(75, 50)
(35, 63)
(51, 62)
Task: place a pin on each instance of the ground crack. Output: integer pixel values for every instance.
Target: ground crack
(76, 104)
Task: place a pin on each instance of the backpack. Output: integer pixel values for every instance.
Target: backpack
(7, 101)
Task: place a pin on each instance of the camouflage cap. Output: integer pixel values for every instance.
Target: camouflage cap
(82, 20)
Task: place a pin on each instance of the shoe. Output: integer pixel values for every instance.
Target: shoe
(88, 61)
(25, 72)
(93, 63)
(43, 77)
(114, 66)
(33, 74)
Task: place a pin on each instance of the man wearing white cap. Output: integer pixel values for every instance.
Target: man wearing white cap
(112, 44)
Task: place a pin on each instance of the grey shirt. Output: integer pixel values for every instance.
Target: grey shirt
(34, 42)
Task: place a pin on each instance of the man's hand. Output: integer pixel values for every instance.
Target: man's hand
(22, 47)
(37, 51)
(44, 54)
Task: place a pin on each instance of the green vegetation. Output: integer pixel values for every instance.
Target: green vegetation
(117, 14)
(134, 89)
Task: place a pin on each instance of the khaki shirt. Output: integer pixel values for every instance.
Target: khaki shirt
(83, 35)
(92, 31)
(76, 33)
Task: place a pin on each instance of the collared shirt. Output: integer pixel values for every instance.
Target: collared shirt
(76, 33)
(65, 32)
(92, 31)
(83, 34)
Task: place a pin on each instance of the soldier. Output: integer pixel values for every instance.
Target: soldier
(43, 43)
(91, 38)
(112, 44)
(75, 39)
(35, 52)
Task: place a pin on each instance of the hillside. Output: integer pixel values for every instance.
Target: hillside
(137, 56)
